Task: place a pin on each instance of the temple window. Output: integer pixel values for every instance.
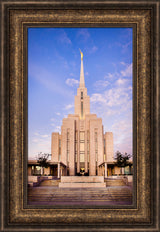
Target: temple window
(81, 95)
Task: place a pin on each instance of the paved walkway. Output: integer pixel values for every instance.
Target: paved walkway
(53, 195)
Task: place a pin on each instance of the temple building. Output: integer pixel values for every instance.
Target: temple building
(82, 146)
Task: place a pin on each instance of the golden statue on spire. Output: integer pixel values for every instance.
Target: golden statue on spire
(81, 54)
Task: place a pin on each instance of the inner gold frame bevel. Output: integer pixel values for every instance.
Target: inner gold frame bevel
(70, 17)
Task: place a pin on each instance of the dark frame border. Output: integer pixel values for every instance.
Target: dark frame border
(25, 100)
(13, 215)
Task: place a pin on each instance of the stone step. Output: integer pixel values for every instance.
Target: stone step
(82, 185)
(82, 182)
(78, 198)
(82, 179)
(116, 194)
(115, 182)
(50, 183)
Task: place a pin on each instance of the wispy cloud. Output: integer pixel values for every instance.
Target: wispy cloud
(67, 107)
(57, 113)
(123, 135)
(93, 49)
(44, 136)
(112, 76)
(72, 74)
(125, 46)
(36, 133)
(83, 34)
(122, 63)
(46, 79)
(58, 129)
(101, 84)
(97, 97)
(63, 38)
(40, 143)
(114, 105)
(112, 97)
(127, 72)
(121, 81)
(72, 82)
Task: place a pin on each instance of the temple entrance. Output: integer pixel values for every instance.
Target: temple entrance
(82, 171)
(54, 170)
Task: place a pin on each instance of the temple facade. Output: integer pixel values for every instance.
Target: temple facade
(82, 147)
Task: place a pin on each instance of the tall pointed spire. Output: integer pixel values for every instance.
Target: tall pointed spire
(81, 84)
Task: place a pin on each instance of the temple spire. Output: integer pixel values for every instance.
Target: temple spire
(81, 84)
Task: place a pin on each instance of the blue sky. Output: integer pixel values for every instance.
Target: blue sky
(53, 78)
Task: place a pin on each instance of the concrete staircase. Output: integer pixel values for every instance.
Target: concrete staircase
(115, 182)
(102, 196)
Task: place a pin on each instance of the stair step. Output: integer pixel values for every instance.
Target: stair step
(50, 183)
(115, 182)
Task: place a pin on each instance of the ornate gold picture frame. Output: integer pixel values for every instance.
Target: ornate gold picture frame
(17, 16)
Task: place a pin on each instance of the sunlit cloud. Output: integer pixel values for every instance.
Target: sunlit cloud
(67, 107)
(122, 63)
(41, 143)
(97, 97)
(44, 136)
(121, 81)
(111, 97)
(127, 72)
(122, 133)
(72, 82)
(112, 76)
(101, 84)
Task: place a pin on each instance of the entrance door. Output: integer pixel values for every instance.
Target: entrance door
(54, 170)
(82, 171)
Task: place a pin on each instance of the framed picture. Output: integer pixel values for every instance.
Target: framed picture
(20, 23)
(94, 106)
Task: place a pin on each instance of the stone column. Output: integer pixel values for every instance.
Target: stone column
(105, 170)
(99, 171)
(78, 153)
(41, 170)
(58, 170)
(86, 152)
